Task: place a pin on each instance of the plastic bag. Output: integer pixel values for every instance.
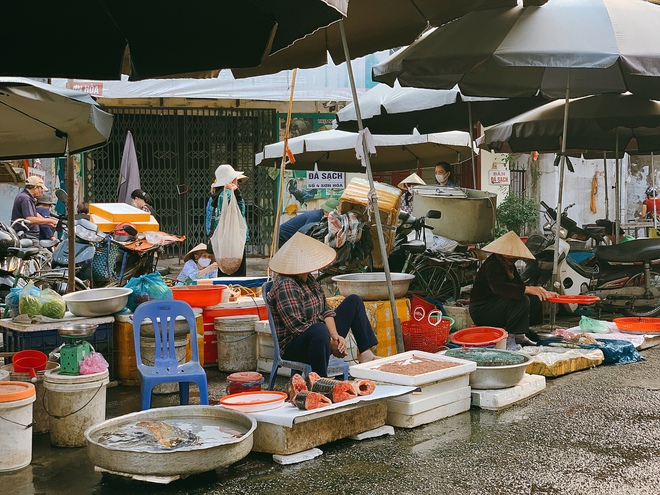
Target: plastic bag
(147, 288)
(589, 325)
(93, 363)
(29, 302)
(617, 351)
(228, 239)
(52, 304)
(11, 301)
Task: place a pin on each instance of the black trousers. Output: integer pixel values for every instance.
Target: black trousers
(313, 345)
(514, 315)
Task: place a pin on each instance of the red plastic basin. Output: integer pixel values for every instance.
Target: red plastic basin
(478, 336)
(199, 296)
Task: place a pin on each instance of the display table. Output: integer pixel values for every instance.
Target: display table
(380, 317)
(45, 338)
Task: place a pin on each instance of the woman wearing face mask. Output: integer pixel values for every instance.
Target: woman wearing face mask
(407, 186)
(499, 297)
(443, 175)
(198, 264)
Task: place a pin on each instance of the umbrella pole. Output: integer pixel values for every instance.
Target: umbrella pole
(655, 215)
(617, 202)
(555, 262)
(474, 167)
(607, 196)
(372, 190)
(275, 245)
(71, 219)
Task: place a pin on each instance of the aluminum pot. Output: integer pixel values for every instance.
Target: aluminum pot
(97, 302)
(372, 286)
(197, 458)
(496, 377)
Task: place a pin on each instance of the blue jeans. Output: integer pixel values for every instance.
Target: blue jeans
(313, 345)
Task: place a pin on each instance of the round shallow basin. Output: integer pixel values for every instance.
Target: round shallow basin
(97, 302)
(372, 286)
(77, 330)
(495, 368)
(216, 437)
(255, 401)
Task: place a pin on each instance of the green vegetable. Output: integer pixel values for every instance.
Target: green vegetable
(29, 305)
(54, 308)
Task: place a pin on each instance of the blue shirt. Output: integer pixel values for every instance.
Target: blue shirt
(24, 207)
(45, 231)
(302, 222)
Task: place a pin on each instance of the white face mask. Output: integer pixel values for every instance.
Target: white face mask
(204, 262)
(441, 178)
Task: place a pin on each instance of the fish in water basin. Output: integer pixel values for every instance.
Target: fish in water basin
(334, 390)
(167, 435)
(307, 400)
(295, 385)
(363, 387)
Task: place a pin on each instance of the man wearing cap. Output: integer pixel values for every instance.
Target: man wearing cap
(499, 297)
(24, 207)
(43, 204)
(307, 329)
(302, 222)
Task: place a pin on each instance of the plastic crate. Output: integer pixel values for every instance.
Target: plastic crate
(47, 340)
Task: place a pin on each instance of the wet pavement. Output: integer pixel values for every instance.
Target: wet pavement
(596, 431)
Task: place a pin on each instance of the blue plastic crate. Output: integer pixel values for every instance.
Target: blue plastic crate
(47, 340)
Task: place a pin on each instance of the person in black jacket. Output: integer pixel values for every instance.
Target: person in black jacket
(499, 297)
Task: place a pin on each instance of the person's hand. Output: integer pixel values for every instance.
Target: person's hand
(231, 186)
(338, 346)
(52, 222)
(540, 292)
(213, 266)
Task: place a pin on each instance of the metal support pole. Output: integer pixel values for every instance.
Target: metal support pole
(474, 166)
(372, 193)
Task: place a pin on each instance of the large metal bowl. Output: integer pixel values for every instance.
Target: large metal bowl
(77, 330)
(496, 377)
(97, 302)
(196, 458)
(372, 286)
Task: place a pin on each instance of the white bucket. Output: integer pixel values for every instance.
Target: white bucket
(16, 425)
(4, 375)
(73, 404)
(39, 415)
(148, 352)
(237, 342)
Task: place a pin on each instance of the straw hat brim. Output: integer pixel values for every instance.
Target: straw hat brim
(301, 254)
(509, 245)
(412, 179)
(196, 249)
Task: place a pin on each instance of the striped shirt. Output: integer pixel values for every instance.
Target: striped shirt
(296, 305)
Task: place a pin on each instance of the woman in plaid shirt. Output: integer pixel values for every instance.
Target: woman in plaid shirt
(307, 329)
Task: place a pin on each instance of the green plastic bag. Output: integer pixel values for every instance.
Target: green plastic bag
(589, 325)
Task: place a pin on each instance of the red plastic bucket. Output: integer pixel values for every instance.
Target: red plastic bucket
(29, 362)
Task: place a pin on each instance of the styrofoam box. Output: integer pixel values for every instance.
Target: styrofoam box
(414, 420)
(427, 403)
(495, 400)
(368, 371)
(436, 388)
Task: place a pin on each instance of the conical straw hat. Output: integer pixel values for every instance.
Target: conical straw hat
(301, 254)
(412, 179)
(509, 245)
(196, 249)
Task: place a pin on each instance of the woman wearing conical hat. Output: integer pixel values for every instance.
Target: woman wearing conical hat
(499, 297)
(407, 185)
(307, 329)
(199, 263)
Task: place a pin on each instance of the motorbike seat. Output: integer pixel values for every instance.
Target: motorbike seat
(415, 246)
(48, 243)
(631, 252)
(23, 253)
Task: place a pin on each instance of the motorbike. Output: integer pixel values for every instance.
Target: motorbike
(625, 276)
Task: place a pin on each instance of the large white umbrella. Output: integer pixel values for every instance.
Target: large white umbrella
(335, 151)
(563, 48)
(39, 120)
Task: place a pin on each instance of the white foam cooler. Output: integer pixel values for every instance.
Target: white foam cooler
(495, 400)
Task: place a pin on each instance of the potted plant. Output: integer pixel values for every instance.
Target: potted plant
(515, 213)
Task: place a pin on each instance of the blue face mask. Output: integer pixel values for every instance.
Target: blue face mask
(204, 262)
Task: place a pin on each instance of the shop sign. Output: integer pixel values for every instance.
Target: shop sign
(317, 179)
(499, 177)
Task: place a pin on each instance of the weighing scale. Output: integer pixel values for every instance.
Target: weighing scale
(76, 348)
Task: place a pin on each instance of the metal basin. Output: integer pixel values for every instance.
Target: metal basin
(77, 330)
(489, 377)
(97, 302)
(205, 455)
(372, 286)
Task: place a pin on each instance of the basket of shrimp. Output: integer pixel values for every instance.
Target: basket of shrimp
(425, 332)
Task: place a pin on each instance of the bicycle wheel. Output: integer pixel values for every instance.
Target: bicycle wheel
(57, 282)
(437, 281)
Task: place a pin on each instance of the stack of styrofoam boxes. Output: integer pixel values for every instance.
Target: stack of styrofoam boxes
(265, 350)
(441, 394)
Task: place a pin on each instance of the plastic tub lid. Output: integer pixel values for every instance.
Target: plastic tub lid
(245, 377)
(12, 391)
(478, 336)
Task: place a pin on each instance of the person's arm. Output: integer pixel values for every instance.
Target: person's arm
(39, 220)
(500, 283)
(644, 209)
(540, 292)
(189, 270)
(289, 306)
(205, 271)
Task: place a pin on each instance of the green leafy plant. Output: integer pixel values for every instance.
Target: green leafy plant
(515, 213)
